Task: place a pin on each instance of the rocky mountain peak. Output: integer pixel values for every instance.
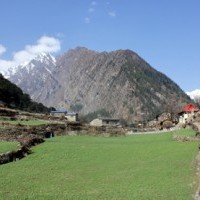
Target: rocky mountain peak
(38, 61)
(45, 57)
(119, 83)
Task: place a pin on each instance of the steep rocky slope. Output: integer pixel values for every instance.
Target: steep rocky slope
(120, 83)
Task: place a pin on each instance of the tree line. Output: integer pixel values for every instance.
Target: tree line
(12, 96)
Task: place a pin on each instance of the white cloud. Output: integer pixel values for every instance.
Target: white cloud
(2, 49)
(87, 20)
(194, 94)
(44, 44)
(112, 14)
(93, 8)
(94, 3)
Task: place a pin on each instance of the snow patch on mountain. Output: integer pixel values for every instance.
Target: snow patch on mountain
(42, 58)
(194, 94)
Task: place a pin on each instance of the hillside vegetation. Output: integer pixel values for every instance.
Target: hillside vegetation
(13, 96)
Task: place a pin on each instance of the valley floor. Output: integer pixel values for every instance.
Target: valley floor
(82, 167)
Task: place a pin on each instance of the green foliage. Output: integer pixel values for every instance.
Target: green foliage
(14, 97)
(131, 111)
(135, 167)
(10, 93)
(149, 84)
(185, 132)
(76, 107)
(99, 113)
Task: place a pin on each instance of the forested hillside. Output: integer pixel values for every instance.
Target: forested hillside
(13, 96)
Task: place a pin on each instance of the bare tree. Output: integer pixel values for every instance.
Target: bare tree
(197, 100)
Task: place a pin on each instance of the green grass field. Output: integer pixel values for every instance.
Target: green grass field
(137, 167)
(7, 146)
(34, 122)
(185, 132)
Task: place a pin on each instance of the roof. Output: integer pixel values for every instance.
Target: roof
(72, 114)
(58, 111)
(189, 108)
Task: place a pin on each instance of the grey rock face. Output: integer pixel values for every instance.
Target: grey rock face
(119, 82)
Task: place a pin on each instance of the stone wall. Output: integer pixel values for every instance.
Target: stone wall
(22, 152)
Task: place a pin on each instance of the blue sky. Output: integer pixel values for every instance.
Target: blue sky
(166, 33)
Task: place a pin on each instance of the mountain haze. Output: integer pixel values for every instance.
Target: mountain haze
(120, 83)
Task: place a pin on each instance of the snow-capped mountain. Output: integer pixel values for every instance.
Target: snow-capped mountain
(37, 71)
(45, 58)
(195, 94)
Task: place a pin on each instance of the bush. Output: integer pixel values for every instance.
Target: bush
(96, 114)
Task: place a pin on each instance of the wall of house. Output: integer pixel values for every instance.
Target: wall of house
(184, 118)
(58, 114)
(72, 118)
(96, 122)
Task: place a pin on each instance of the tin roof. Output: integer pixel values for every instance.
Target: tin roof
(58, 111)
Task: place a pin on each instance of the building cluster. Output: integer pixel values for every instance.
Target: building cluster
(73, 117)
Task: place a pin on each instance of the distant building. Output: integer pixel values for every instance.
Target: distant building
(187, 112)
(105, 122)
(58, 113)
(72, 117)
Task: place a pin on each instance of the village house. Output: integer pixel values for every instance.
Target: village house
(72, 117)
(105, 122)
(187, 113)
(58, 113)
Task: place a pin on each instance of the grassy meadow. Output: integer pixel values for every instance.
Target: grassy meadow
(137, 167)
(185, 132)
(7, 146)
(28, 123)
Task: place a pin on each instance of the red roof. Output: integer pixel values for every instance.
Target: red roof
(190, 108)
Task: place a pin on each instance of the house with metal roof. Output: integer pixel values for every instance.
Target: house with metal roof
(58, 113)
(72, 117)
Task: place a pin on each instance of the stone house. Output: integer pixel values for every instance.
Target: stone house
(58, 113)
(105, 122)
(72, 117)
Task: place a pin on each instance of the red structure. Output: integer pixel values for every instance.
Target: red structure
(187, 112)
(190, 108)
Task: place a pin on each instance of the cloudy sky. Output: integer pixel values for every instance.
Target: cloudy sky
(165, 33)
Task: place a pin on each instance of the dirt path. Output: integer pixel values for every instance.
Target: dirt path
(151, 132)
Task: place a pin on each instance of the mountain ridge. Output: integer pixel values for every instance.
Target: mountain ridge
(119, 82)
